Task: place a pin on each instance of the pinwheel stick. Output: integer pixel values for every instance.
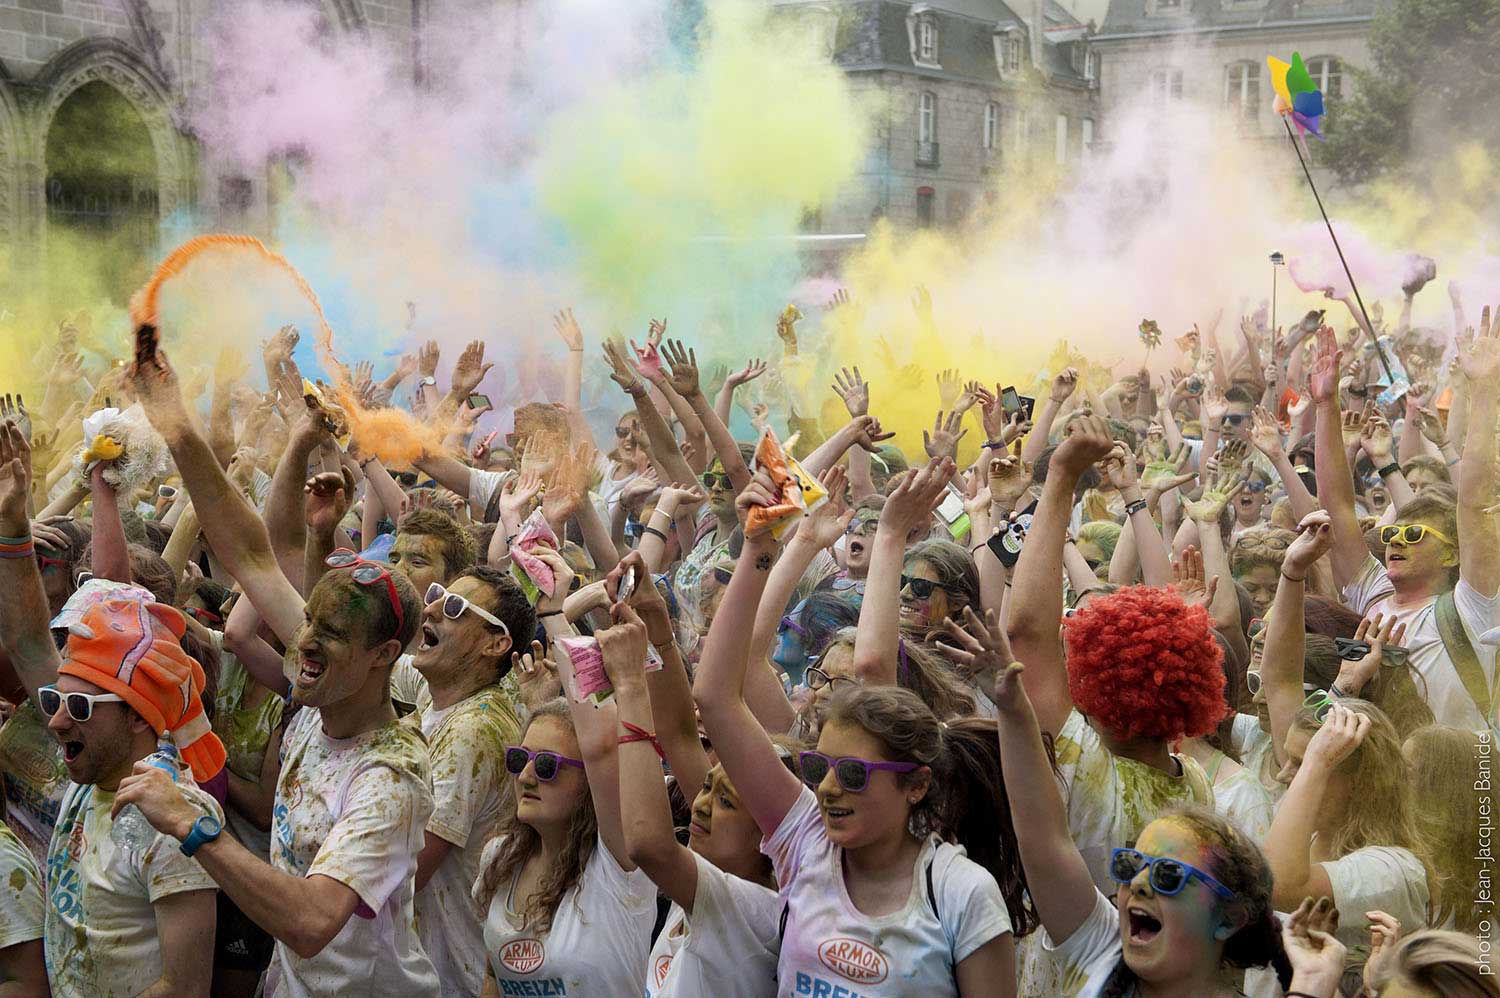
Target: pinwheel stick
(1369, 327)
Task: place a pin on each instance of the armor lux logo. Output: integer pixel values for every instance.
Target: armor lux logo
(854, 960)
(522, 955)
(663, 966)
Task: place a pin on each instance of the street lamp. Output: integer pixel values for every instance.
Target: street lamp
(1277, 260)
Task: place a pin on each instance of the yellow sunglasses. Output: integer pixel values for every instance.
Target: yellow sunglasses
(1410, 533)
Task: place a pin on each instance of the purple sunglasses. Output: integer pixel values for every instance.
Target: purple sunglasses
(853, 774)
(547, 763)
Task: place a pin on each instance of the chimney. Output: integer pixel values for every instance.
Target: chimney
(1037, 22)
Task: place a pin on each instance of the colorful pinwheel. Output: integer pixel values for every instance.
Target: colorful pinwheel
(1150, 334)
(1296, 95)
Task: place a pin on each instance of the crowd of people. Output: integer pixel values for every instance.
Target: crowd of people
(1168, 686)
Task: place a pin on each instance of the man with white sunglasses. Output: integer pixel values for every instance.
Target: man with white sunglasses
(468, 632)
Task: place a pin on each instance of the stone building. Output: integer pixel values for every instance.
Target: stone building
(92, 133)
(1214, 52)
(960, 88)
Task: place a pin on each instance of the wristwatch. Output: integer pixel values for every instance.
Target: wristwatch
(205, 829)
(429, 380)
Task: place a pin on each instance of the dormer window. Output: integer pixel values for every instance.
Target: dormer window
(1010, 51)
(922, 33)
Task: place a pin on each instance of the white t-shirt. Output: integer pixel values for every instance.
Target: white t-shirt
(21, 907)
(354, 809)
(101, 936)
(831, 947)
(1241, 797)
(467, 748)
(482, 488)
(598, 942)
(728, 948)
(1253, 745)
(1376, 878)
(1086, 959)
(1371, 592)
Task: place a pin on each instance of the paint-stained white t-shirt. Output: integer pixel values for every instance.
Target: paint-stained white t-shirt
(101, 937)
(466, 743)
(355, 809)
(831, 947)
(597, 944)
(728, 948)
(21, 908)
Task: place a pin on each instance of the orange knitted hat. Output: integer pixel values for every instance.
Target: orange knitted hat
(133, 649)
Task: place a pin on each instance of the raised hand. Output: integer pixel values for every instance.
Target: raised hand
(684, 496)
(620, 370)
(853, 390)
(1119, 467)
(760, 492)
(684, 366)
(916, 495)
(1064, 383)
(1314, 540)
(867, 433)
(1482, 358)
(156, 388)
(1215, 405)
(568, 329)
(517, 496)
(1088, 442)
(1316, 956)
(229, 369)
(278, 349)
(1376, 438)
(364, 379)
(1323, 379)
(15, 480)
(1232, 456)
(537, 675)
(1431, 426)
(949, 387)
(1385, 933)
(1353, 425)
(1265, 433)
(1009, 478)
(636, 491)
(1342, 733)
(14, 408)
(979, 648)
(1188, 579)
(328, 498)
(1218, 494)
(470, 369)
(427, 359)
(946, 433)
(826, 524)
(754, 369)
(406, 366)
(921, 303)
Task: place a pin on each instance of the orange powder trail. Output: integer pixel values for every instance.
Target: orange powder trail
(393, 435)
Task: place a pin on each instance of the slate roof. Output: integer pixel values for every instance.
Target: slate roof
(1131, 17)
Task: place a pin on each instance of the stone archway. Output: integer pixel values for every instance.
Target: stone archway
(108, 165)
(11, 153)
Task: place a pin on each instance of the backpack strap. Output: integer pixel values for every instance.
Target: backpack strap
(932, 892)
(1461, 652)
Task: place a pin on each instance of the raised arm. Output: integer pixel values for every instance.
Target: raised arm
(236, 533)
(23, 613)
(1036, 584)
(1063, 385)
(1376, 440)
(110, 557)
(1265, 434)
(1335, 481)
(684, 367)
(571, 334)
(876, 646)
(1478, 539)
(664, 450)
(742, 745)
(1150, 549)
(1281, 668)
(724, 404)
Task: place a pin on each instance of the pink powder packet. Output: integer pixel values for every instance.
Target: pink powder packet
(589, 679)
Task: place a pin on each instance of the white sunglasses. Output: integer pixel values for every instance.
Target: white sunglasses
(454, 606)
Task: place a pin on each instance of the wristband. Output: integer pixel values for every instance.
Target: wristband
(1132, 508)
(1391, 469)
(654, 532)
(641, 735)
(1334, 691)
(16, 541)
(1298, 994)
(1292, 578)
(996, 445)
(26, 552)
(549, 613)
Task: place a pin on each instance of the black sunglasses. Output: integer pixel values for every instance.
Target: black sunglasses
(722, 478)
(921, 588)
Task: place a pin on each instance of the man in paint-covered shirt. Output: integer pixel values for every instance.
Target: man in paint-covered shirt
(354, 796)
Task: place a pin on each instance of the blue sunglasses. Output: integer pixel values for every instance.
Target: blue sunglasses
(1167, 876)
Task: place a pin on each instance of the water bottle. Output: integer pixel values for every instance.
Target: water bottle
(131, 830)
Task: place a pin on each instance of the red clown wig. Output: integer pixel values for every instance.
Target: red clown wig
(1143, 664)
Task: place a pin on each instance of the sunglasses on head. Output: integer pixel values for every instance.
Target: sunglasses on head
(853, 774)
(547, 763)
(1410, 533)
(721, 479)
(921, 588)
(368, 573)
(1320, 702)
(454, 606)
(817, 678)
(1253, 683)
(1167, 876)
(80, 705)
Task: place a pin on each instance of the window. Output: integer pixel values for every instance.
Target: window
(1170, 6)
(1086, 138)
(926, 40)
(927, 117)
(924, 207)
(1242, 90)
(1014, 52)
(1090, 65)
(1060, 151)
(991, 125)
(1023, 129)
(1165, 85)
(1328, 74)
